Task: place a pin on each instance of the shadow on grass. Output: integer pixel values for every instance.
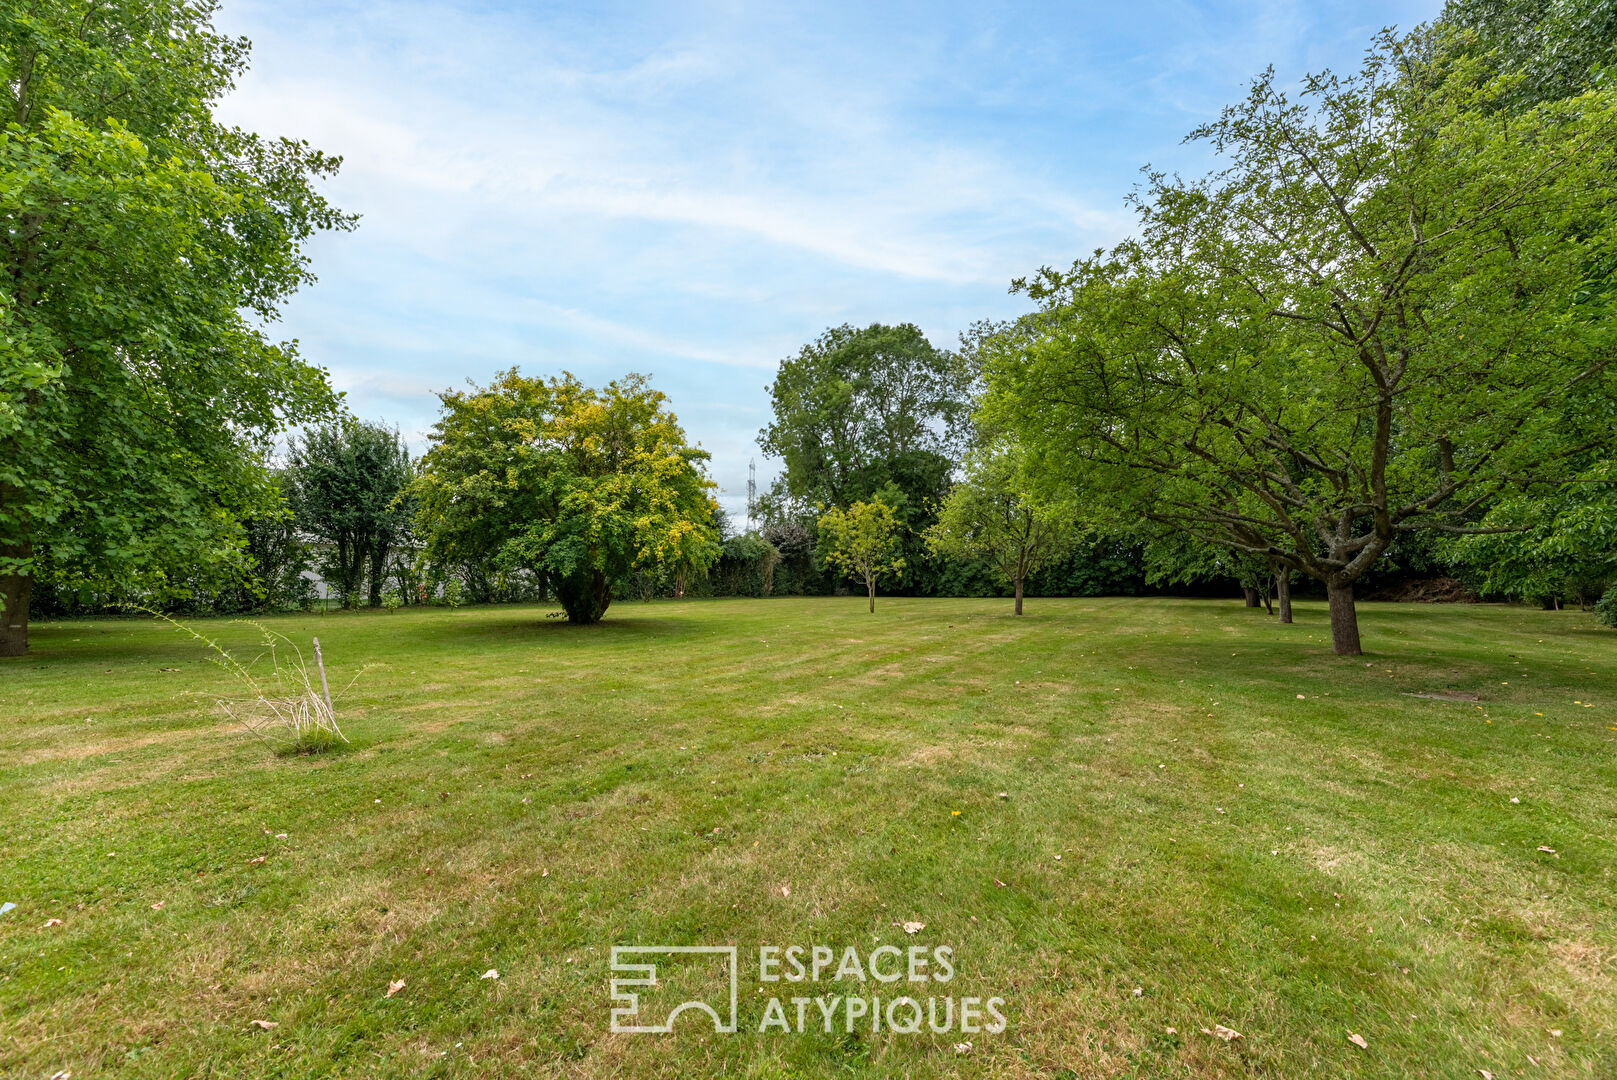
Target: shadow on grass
(536, 622)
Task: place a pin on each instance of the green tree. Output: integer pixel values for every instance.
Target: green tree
(1552, 49)
(857, 409)
(1565, 546)
(348, 486)
(990, 514)
(145, 245)
(862, 541)
(1371, 323)
(585, 486)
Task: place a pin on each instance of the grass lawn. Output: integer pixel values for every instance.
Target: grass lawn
(1206, 819)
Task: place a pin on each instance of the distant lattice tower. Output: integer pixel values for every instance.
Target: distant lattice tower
(752, 491)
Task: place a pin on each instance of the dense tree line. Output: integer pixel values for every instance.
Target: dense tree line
(1376, 344)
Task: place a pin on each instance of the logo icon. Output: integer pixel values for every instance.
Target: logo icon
(639, 977)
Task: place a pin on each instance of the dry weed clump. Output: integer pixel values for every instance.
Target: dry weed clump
(289, 707)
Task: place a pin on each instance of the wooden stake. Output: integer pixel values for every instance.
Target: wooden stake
(324, 689)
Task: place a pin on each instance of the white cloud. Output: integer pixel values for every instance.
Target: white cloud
(696, 190)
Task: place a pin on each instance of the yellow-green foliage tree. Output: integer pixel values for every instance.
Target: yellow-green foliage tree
(862, 541)
(582, 485)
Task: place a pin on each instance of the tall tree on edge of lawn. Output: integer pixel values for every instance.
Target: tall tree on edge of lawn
(857, 409)
(143, 245)
(348, 484)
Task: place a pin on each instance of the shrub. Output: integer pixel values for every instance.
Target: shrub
(1606, 609)
(391, 600)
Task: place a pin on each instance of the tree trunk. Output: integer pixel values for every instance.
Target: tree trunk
(870, 583)
(1283, 592)
(1019, 596)
(1251, 596)
(585, 596)
(1344, 619)
(378, 575)
(350, 570)
(14, 594)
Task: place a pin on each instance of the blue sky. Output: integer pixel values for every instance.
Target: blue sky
(695, 191)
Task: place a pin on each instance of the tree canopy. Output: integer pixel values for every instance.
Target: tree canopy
(859, 414)
(1373, 321)
(1552, 48)
(858, 409)
(145, 247)
(582, 485)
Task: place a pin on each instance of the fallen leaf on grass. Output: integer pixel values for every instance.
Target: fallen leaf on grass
(52, 922)
(394, 987)
(159, 905)
(491, 973)
(1551, 850)
(786, 890)
(264, 1024)
(914, 927)
(67, 1074)
(963, 1047)
(1486, 1075)
(1001, 884)
(1171, 1031)
(1227, 1034)
(1358, 1040)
